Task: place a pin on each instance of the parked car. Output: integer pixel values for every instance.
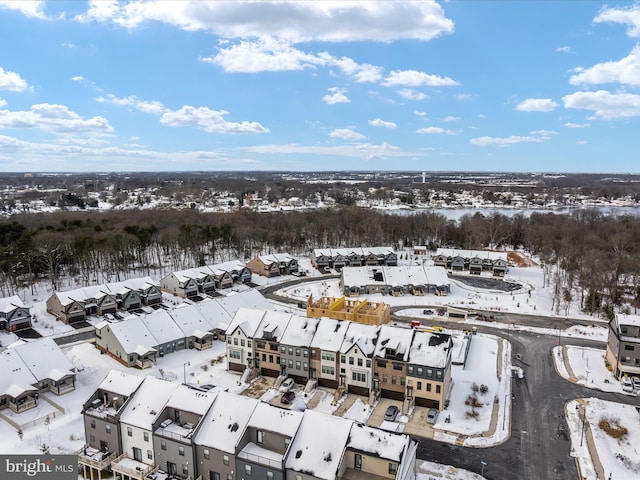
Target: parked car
(636, 383)
(627, 384)
(287, 397)
(432, 416)
(391, 413)
(287, 385)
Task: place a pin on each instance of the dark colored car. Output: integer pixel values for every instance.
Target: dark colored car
(391, 413)
(288, 397)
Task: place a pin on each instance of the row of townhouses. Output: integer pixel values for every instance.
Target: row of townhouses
(391, 361)
(472, 261)
(142, 428)
(205, 280)
(273, 265)
(33, 368)
(339, 258)
(139, 340)
(397, 281)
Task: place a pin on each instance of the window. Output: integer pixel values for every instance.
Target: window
(163, 444)
(145, 435)
(225, 459)
(129, 432)
(269, 475)
(410, 369)
(428, 387)
(271, 359)
(260, 437)
(368, 363)
(393, 379)
(350, 360)
(328, 370)
(93, 424)
(264, 357)
(235, 342)
(249, 343)
(628, 347)
(214, 475)
(419, 386)
(624, 330)
(290, 363)
(283, 349)
(359, 362)
(359, 377)
(107, 428)
(402, 381)
(385, 378)
(343, 359)
(181, 451)
(229, 476)
(290, 350)
(429, 372)
(234, 354)
(438, 388)
(206, 453)
(247, 469)
(397, 366)
(298, 365)
(298, 477)
(439, 374)
(305, 353)
(260, 344)
(92, 438)
(420, 371)
(229, 340)
(393, 468)
(185, 468)
(150, 454)
(305, 366)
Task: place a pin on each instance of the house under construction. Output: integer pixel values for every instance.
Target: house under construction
(361, 311)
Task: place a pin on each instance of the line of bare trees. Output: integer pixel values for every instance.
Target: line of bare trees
(586, 256)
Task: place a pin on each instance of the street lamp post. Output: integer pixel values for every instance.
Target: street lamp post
(184, 371)
(482, 469)
(582, 427)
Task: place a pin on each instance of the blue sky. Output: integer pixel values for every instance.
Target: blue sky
(536, 86)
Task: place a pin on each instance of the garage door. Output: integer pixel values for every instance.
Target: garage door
(427, 402)
(392, 394)
(364, 391)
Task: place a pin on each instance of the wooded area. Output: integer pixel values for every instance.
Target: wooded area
(598, 257)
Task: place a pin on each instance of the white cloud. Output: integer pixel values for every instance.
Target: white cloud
(381, 123)
(629, 16)
(211, 121)
(544, 133)
(434, 131)
(414, 78)
(537, 105)
(292, 20)
(625, 71)
(29, 8)
(463, 97)
(411, 94)
(364, 151)
(77, 78)
(12, 81)
(154, 107)
(577, 125)
(419, 113)
(56, 119)
(346, 134)
(505, 141)
(604, 104)
(565, 49)
(451, 118)
(482, 115)
(581, 142)
(69, 45)
(3, 102)
(337, 96)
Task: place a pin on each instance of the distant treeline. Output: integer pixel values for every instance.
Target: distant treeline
(598, 256)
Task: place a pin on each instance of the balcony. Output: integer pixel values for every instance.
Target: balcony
(202, 346)
(63, 388)
(22, 405)
(93, 458)
(145, 362)
(256, 454)
(131, 468)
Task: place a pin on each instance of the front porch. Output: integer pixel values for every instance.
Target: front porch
(93, 462)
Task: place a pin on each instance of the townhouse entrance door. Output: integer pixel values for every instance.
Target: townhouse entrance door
(172, 469)
(137, 454)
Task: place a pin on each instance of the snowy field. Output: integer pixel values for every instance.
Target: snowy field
(64, 433)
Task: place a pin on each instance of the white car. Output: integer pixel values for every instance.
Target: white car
(627, 384)
(636, 383)
(287, 385)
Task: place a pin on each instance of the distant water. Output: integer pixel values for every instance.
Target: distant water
(457, 213)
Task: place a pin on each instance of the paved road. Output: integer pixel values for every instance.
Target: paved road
(539, 445)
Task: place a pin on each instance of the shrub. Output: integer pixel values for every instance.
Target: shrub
(612, 427)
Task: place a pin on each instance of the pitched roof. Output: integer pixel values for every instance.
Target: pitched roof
(330, 334)
(147, 402)
(396, 338)
(430, 349)
(120, 383)
(382, 444)
(299, 331)
(362, 335)
(44, 358)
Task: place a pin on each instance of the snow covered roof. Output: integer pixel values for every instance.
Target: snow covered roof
(383, 444)
(330, 334)
(275, 258)
(274, 323)
(191, 400)
(396, 338)
(230, 266)
(44, 358)
(138, 284)
(430, 349)
(249, 298)
(629, 320)
(225, 423)
(299, 331)
(319, 444)
(120, 383)
(214, 313)
(362, 335)
(278, 420)
(395, 276)
(10, 303)
(133, 334)
(334, 252)
(454, 252)
(147, 402)
(246, 319)
(163, 328)
(14, 371)
(189, 319)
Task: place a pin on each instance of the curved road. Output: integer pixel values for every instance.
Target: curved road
(539, 445)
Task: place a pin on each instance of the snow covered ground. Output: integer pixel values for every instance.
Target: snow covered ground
(63, 432)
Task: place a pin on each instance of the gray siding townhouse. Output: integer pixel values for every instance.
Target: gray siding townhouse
(623, 346)
(295, 348)
(13, 314)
